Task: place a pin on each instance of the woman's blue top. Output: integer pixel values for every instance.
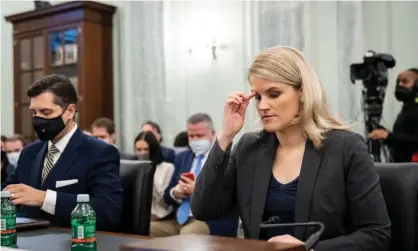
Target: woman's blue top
(280, 201)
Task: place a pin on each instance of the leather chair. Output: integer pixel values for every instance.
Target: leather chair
(127, 156)
(399, 183)
(137, 178)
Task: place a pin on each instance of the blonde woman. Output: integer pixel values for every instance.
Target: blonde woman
(305, 165)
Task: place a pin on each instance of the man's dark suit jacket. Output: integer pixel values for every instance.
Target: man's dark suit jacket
(224, 226)
(338, 186)
(169, 154)
(96, 166)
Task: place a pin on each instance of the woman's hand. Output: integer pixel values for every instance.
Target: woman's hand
(288, 239)
(234, 116)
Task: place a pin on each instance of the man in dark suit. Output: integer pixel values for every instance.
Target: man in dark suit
(201, 136)
(65, 162)
(104, 129)
(168, 153)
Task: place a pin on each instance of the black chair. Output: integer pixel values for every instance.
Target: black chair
(399, 182)
(137, 179)
(127, 156)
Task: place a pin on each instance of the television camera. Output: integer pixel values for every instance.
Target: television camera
(373, 72)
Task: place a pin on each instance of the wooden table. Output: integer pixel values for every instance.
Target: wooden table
(59, 239)
(207, 243)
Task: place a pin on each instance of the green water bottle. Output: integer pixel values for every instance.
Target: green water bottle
(8, 221)
(83, 225)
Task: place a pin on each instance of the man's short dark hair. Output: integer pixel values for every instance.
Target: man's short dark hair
(60, 86)
(415, 70)
(181, 140)
(3, 138)
(154, 125)
(201, 117)
(105, 123)
(16, 137)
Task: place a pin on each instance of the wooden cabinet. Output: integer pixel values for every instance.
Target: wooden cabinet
(73, 39)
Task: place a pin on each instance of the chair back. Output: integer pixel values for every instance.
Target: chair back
(399, 183)
(127, 156)
(137, 178)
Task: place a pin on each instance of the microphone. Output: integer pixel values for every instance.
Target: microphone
(274, 222)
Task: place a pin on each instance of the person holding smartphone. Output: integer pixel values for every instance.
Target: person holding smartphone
(188, 165)
(304, 165)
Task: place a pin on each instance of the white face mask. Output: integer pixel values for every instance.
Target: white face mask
(178, 150)
(13, 157)
(200, 146)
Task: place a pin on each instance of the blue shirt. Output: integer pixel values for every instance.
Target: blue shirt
(280, 201)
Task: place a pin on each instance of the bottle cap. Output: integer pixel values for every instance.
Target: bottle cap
(5, 194)
(83, 198)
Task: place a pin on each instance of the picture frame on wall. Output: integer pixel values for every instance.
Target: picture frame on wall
(70, 53)
(58, 56)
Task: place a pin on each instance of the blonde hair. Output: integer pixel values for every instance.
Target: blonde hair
(287, 65)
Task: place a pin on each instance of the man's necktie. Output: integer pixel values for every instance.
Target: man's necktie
(49, 163)
(184, 209)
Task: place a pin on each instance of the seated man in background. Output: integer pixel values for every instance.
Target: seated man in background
(201, 135)
(168, 153)
(65, 162)
(6, 169)
(104, 129)
(14, 146)
(181, 142)
(3, 143)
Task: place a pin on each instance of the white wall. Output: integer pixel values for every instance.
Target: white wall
(198, 83)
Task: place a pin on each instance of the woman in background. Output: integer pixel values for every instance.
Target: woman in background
(148, 148)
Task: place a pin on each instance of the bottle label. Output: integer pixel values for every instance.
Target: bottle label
(84, 233)
(8, 224)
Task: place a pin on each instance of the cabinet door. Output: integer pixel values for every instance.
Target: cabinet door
(29, 67)
(64, 54)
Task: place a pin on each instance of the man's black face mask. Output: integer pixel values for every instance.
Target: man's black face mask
(48, 129)
(403, 94)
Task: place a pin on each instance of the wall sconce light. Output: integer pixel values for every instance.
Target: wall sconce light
(213, 47)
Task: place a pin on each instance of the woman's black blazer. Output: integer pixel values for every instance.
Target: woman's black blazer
(338, 185)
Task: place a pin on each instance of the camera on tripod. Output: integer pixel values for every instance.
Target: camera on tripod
(373, 72)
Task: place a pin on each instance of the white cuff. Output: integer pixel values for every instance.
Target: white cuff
(49, 202)
(174, 198)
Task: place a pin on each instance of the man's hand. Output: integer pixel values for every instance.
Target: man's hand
(187, 184)
(22, 194)
(379, 134)
(178, 192)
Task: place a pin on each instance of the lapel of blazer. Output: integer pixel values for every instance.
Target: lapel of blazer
(188, 162)
(262, 174)
(310, 166)
(38, 164)
(66, 160)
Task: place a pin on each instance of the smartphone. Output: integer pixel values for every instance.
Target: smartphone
(189, 175)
